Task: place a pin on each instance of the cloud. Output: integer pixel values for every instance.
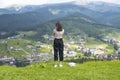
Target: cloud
(5, 3)
(87, 1)
(23, 1)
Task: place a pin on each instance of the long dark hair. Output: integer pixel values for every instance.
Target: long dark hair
(58, 26)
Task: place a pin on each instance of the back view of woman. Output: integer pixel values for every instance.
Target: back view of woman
(58, 44)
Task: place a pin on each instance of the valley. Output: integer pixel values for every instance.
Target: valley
(24, 47)
(83, 38)
(91, 41)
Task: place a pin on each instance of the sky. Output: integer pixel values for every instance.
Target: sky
(6, 3)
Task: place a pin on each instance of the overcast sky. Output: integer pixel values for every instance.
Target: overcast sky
(6, 3)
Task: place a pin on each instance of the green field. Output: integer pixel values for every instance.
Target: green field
(115, 35)
(103, 70)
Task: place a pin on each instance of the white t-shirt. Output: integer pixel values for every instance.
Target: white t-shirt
(58, 34)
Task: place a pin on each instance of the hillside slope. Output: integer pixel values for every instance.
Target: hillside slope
(77, 24)
(42, 14)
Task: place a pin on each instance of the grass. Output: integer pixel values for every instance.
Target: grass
(106, 70)
(73, 46)
(92, 42)
(16, 43)
(20, 42)
(110, 49)
(103, 45)
(44, 50)
(115, 35)
(17, 54)
(28, 33)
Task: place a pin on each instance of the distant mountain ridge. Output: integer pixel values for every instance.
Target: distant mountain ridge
(18, 9)
(103, 7)
(27, 17)
(105, 13)
(41, 15)
(77, 24)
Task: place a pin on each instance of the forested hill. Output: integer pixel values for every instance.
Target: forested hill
(77, 24)
(44, 13)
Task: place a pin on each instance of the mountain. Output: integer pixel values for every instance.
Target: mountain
(25, 17)
(77, 24)
(22, 21)
(103, 7)
(38, 16)
(105, 13)
(18, 9)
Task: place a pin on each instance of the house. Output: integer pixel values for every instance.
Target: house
(4, 41)
(10, 48)
(107, 39)
(17, 49)
(98, 52)
(92, 50)
(66, 46)
(99, 56)
(51, 38)
(80, 41)
(70, 53)
(101, 48)
(119, 49)
(80, 48)
(72, 42)
(29, 46)
(85, 50)
(38, 46)
(46, 36)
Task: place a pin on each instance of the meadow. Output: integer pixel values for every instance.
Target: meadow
(99, 70)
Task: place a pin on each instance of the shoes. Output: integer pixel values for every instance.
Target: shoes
(55, 65)
(61, 65)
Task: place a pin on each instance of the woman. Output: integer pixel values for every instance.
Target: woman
(58, 44)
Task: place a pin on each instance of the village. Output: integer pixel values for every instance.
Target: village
(74, 47)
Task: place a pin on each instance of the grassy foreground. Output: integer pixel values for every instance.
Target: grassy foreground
(106, 70)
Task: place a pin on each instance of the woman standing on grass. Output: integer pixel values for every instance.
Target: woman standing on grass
(58, 44)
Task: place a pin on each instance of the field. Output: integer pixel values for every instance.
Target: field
(115, 35)
(101, 70)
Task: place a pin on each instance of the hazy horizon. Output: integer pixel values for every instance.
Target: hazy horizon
(6, 3)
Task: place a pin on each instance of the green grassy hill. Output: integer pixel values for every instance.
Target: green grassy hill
(45, 71)
(77, 24)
